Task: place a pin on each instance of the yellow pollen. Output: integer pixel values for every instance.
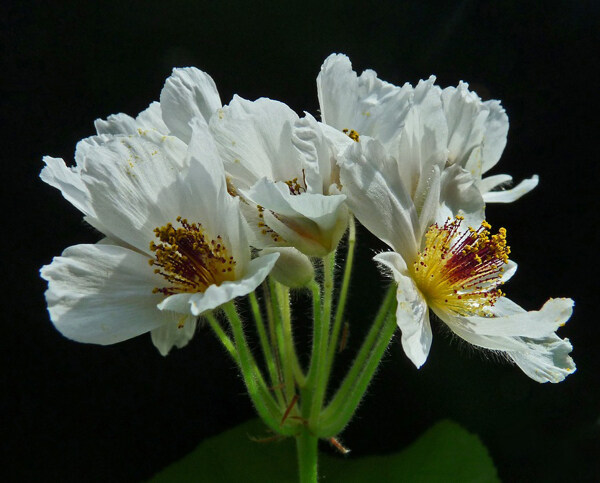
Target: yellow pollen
(188, 260)
(295, 187)
(264, 228)
(352, 134)
(230, 187)
(460, 270)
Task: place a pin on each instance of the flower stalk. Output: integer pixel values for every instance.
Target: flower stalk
(294, 404)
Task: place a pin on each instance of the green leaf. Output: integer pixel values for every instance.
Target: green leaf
(444, 453)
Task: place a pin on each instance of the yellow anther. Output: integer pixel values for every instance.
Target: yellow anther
(188, 260)
(460, 270)
(352, 134)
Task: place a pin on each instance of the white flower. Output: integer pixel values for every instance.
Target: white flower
(176, 242)
(284, 169)
(440, 263)
(463, 129)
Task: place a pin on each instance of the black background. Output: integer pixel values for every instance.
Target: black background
(79, 412)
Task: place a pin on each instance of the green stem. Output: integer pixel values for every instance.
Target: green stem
(307, 389)
(318, 359)
(307, 449)
(339, 313)
(289, 336)
(329, 270)
(285, 356)
(278, 387)
(346, 400)
(266, 346)
(266, 406)
(222, 336)
(335, 420)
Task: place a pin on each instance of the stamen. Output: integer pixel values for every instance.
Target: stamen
(188, 260)
(265, 229)
(295, 187)
(460, 271)
(352, 134)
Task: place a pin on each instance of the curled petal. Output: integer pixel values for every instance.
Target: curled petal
(188, 94)
(412, 313)
(311, 222)
(149, 119)
(513, 194)
(217, 295)
(528, 338)
(364, 103)
(176, 333)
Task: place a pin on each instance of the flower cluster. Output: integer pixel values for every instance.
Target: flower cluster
(200, 203)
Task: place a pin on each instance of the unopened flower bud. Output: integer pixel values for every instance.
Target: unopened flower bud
(293, 269)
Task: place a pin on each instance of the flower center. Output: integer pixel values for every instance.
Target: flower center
(460, 271)
(352, 134)
(188, 260)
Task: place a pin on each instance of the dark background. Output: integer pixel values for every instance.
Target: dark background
(77, 412)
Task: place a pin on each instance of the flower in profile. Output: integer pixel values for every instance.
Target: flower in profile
(284, 169)
(445, 258)
(175, 246)
(455, 123)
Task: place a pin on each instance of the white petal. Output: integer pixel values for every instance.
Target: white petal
(477, 130)
(216, 295)
(293, 269)
(466, 121)
(68, 181)
(393, 261)
(189, 93)
(139, 183)
(116, 124)
(429, 208)
(255, 141)
(205, 198)
(546, 360)
(131, 180)
(496, 131)
(528, 338)
(319, 218)
(377, 196)
(508, 270)
(460, 196)
(498, 343)
(102, 294)
(533, 324)
(149, 119)
(422, 142)
(300, 233)
(176, 333)
(368, 105)
(491, 182)
(320, 208)
(318, 146)
(513, 194)
(412, 313)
